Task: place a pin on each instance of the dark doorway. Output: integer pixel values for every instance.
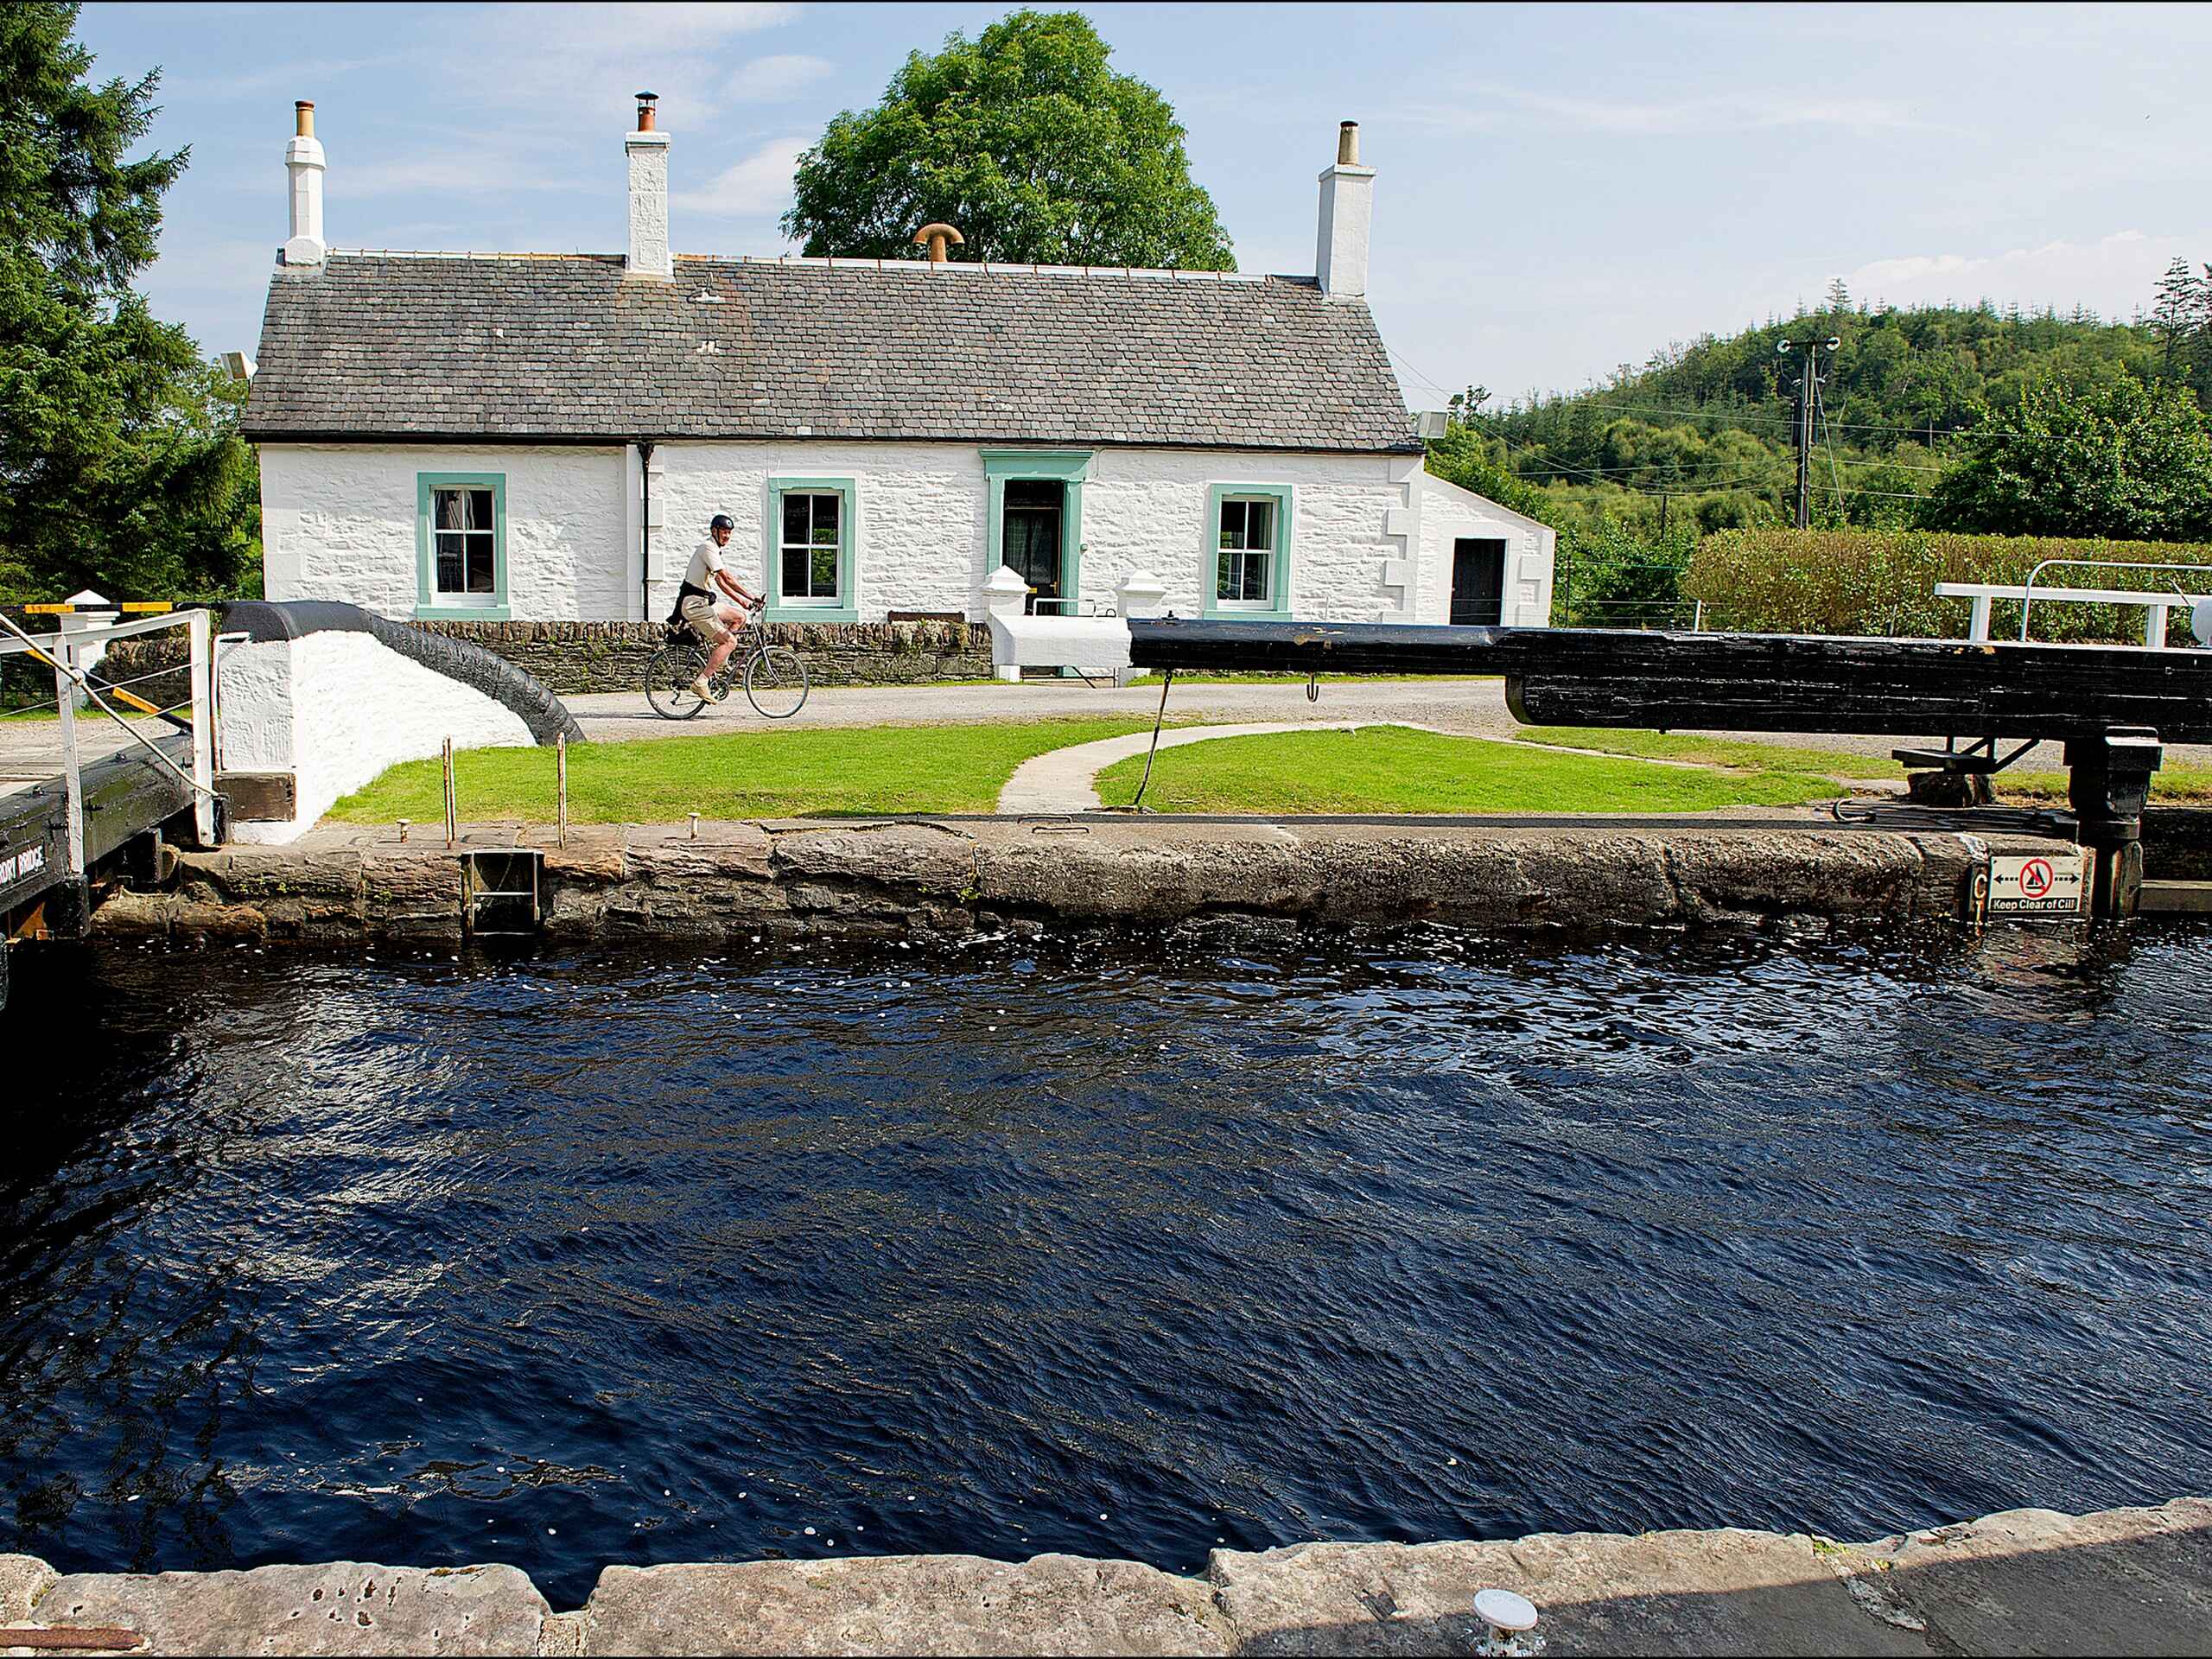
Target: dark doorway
(1477, 582)
(1033, 511)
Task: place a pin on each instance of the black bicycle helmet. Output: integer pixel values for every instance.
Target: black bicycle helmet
(722, 521)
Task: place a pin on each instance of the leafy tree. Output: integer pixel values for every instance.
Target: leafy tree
(120, 464)
(1027, 141)
(2121, 460)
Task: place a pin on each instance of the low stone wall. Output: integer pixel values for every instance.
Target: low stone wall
(735, 881)
(2122, 1581)
(584, 657)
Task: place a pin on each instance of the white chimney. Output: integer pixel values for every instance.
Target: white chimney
(303, 162)
(1347, 209)
(648, 150)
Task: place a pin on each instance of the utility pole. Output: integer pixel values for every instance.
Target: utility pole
(1808, 384)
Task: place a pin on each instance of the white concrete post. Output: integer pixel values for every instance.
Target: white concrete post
(1347, 212)
(648, 148)
(303, 162)
(1004, 597)
(1139, 594)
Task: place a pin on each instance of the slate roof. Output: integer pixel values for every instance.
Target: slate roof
(562, 347)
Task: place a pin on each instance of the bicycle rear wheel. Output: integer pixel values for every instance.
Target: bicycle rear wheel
(775, 682)
(668, 681)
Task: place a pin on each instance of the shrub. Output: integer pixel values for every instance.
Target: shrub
(1859, 581)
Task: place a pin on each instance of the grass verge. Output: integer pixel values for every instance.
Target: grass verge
(1732, 752)
(1397, 769)
(830, 773)
(2176, 785)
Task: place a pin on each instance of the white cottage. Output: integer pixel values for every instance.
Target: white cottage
(543, 436)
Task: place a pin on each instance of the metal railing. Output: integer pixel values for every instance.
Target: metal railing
(63, 650)
(2028, 587)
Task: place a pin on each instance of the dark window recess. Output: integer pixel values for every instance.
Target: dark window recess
(808, 551)
(461, 520)
(1030, 522)
(1477, 582)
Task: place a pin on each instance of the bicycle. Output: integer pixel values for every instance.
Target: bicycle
(774, 678)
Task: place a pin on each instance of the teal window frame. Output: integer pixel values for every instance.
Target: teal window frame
(1070, 467)
(847, 609)
(1278, 607)
(430, 605)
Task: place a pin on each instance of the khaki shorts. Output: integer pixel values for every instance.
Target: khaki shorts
(698, 613)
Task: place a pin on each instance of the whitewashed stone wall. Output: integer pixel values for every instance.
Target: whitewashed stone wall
(1371, 538)
(334, 709)
(338, 522)
(1446, 513)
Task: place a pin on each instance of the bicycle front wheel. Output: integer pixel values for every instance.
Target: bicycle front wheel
(668, 681)
(775, 682)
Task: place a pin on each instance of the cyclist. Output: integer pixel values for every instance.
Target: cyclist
(700, 607)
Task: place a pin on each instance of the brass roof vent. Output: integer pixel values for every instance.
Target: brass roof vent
(937, 236)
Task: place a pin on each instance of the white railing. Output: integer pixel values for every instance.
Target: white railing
(62, 650)
(2156, 602)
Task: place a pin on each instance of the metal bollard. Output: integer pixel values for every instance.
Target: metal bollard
(561, 786)
(453, 803)
(694, 826)
(1509, 1622)
(403, 827)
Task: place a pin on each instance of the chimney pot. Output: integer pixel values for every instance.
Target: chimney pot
(1348, 143)
(303, 118)
(646, 103)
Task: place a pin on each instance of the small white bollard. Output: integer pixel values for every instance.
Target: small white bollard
(1139, 594)
(1006, 596)
(1509, 1622)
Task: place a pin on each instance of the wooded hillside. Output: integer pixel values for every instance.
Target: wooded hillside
(1706, 429)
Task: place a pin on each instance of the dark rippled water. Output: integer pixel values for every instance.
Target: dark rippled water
(1121, 1246)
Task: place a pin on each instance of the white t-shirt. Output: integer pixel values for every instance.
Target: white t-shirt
(704, 562)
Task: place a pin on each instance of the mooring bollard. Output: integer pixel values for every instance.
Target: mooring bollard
(403, 823)
(694, 826)
(453, 804)
(1510, 1621)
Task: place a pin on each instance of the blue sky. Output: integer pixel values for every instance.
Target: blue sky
(1561, 190)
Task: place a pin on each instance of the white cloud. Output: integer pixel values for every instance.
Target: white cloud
(769, 81)
(581, 63)
(2113, 275)
(759, 184)
(470, 165)
(1732, 112)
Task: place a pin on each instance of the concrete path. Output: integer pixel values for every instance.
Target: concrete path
(2124, 1581)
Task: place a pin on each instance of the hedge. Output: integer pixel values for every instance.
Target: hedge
(1861, 582)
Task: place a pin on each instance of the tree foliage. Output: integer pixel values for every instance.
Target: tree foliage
(120, 464)
(2119, 460)
(1028, 142)
(1712, 423)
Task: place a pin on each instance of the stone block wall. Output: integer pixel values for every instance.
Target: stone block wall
(574, 657)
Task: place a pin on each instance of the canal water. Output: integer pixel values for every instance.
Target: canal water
(1121, 1245)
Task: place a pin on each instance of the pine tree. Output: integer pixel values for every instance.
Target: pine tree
(120, 464)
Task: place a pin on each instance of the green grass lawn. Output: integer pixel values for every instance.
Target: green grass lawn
(2179, 785)
(1397, 769)
(752, 774)
(1715, 751)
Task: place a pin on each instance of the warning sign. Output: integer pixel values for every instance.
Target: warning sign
(2038, 884)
